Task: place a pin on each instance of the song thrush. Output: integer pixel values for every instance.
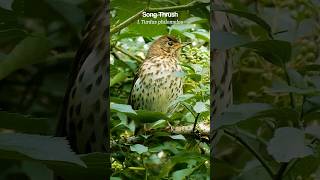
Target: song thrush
(157, 82)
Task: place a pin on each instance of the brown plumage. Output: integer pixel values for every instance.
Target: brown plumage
(84, 117)
(157, 82)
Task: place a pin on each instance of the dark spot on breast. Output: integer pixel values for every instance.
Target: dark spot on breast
(70, 112)
(214, 110)
(106, 93)
(73, 92)
(93, 137)
(222, 94)
(88, 88)
(104, 117)
(90, 119)
(78, 109)
(81, 76)
(88, 147)
(97, 106)
(96, 67)
(80, 125)
(98, 80)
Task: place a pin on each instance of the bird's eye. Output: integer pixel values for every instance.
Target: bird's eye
(170, 43)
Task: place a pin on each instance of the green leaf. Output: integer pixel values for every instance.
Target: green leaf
(275, 51)
(237, 113)
(70, 12)
(139, 148)
(34, 147)
(6, 4)
(121, 76)
(225, 40)
(250, 16)
(97, 167)
(253, 173)
(12, 35)
(202, 35)
(178, 137)
(115, 178)
(31, 50)
(200, 107)
(182, 174)
(181, 158)
(124, 108)
(181, 98)
(305, 168)
(313, 130)
(159, 124)
(145, 116)
(283, 87)
(296, 79)
(23, 123)
(288, 143)
(311, 104)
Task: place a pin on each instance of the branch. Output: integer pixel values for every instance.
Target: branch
(135, 17)
(128, 54)
(281, 171)
(253, 151)
(203, 131)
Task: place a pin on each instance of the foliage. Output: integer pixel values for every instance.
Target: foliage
(157, 152)
(271, 131)
(274, 75)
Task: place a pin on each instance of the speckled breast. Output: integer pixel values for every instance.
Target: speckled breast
(157, 85)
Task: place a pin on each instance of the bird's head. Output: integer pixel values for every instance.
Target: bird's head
(165, 46)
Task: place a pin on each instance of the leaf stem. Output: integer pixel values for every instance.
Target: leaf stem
(195, 122)
(253, 151)
(281, 171)
(292, 101)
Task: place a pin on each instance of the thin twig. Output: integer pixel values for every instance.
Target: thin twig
(281, 171)
(292, 101)
(195, 122)
(253, 151)
(128, 54)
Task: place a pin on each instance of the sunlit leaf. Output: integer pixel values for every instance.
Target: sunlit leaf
(178, 137)
(200, 107)
(122, 108)
(139, 148)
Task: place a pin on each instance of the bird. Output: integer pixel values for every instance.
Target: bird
(84, 111)
(157, 82)
(84, 118)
